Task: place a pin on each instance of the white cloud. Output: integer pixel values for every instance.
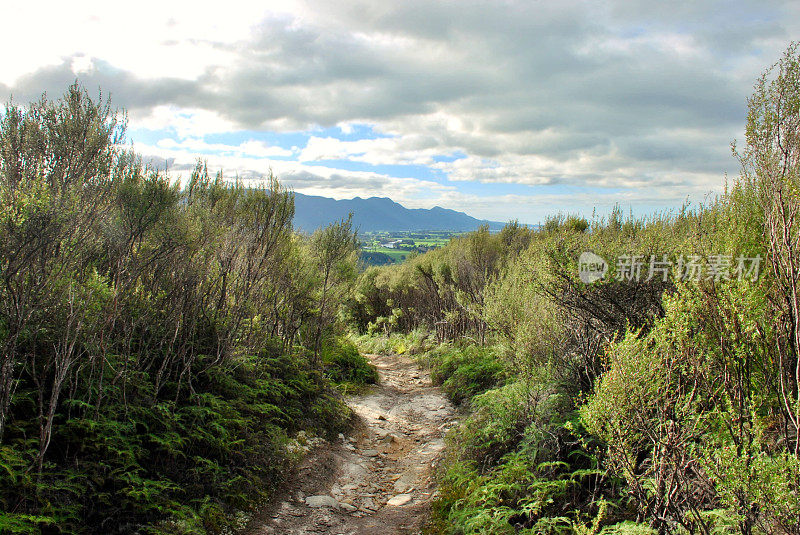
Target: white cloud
(412, 149)
(150, 39)
(582, 94)
(82, 64)
(185, 122)
(247, 149)
(309, 179)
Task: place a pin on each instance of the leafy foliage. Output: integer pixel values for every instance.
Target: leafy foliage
(651, 405)
(152, 367)
(345, 365)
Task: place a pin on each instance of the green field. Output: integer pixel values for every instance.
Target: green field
(405, 243)
(432, 242)
(397, 255)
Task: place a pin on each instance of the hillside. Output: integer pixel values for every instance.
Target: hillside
(376, 214)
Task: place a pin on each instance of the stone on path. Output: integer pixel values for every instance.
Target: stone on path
(348, 507)
(400, 499)
(322, 501)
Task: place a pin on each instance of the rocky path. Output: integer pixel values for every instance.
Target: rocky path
(380, 479)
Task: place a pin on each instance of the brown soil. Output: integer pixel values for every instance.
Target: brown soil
(378, 480)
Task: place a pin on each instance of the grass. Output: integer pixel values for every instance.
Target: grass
(397, 255)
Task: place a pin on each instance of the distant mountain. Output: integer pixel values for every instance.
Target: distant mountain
(380, 214)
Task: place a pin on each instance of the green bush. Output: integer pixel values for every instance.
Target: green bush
(414, 342)
(149, 373)
(465, 372)
(519, 495)
(345, 365)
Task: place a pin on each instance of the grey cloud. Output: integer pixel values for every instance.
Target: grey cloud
(125, 89)
(163, 164)
(306, 179)
(513, 71)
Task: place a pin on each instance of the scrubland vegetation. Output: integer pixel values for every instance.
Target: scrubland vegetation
(164, 340)
(161, 342)
(629, 405)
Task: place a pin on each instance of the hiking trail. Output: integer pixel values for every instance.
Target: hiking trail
(378, 480)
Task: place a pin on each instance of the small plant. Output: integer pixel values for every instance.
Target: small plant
(465, 372)
(344, 365)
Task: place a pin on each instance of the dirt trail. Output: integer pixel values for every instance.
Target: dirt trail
(379, 479)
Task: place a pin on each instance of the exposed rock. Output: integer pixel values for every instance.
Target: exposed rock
(400, 499)
(347, 507)
(388, 439)
(322, 500)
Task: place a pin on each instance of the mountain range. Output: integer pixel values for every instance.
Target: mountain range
(380, 214)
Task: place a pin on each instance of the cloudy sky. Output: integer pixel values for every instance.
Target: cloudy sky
(503, 110)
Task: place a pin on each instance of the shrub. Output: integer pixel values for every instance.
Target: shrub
(149, 376)
(345, 365)
(465, 371)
